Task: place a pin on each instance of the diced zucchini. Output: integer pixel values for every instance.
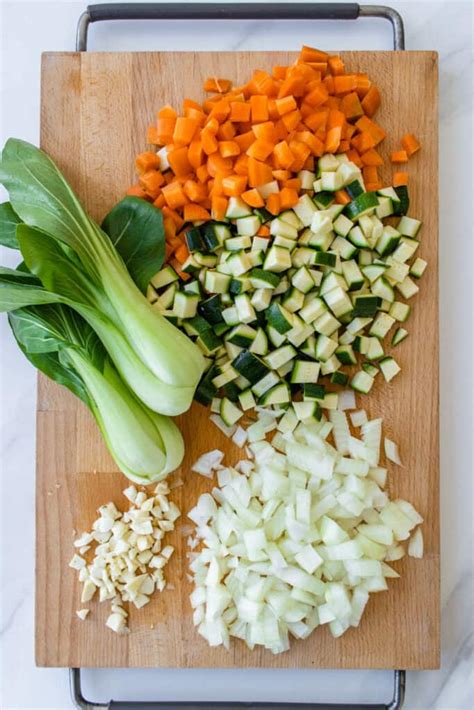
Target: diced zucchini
(361, 344)
(401, 207)
(277, 259)
(238, 243)
(302, 280)
(408, 226)
(338, 301)
(250, 366)
(230, 413)
(247, 400)
(241, 335)
(365, 203)
(245, 310)
(304, 371)
(321, 223)
(389, 368)
(331, 365)
(339, 378)
(399, 335)
(239, 263)
(385, 208)
(399, 311)
(312, 391)
(237, 209)
(194, 239)
(261, 299)
(373, 271)
(280, 356)
(216, 282)
(294, 300)
(371, 369)
(265, 384)
(342, 225)
(375, 350)
(259, 345)
(330, 401)
(354, 189)
(164, 277)
(407, 288)
(279, 318)
(230, 315)
(281, 228)
(346, 354)
(247, 226)
(209, 342)
(353, 275)
(326, 324)
(185, 304)
(381, 325)
(260, 244)
(280, 394)
(362, 382)
(332, 181)
(325, 347)
(307, 410)
(328, 163)
(211, 310)
(418, 267)
(207, 260)
(383, 290)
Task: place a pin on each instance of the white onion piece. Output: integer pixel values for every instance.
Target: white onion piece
(208, 463)
(415, 546)
(391, 451)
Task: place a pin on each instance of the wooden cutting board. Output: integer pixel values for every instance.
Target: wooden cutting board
(94, 112)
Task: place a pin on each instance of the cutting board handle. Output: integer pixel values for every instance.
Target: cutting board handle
(81, 703)
(236, 11)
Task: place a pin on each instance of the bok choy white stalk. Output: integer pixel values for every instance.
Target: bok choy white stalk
(145, 445)
(74, 258)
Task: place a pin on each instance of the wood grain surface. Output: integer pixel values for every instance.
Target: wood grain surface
(95, 109)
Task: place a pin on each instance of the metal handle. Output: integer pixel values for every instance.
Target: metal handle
(82, 704)
(236, 11)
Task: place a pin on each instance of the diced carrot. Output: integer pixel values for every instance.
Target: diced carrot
(281, 175)
(241, 165)
(260, 149)
(399, 156)
(333, 138)
(160, 201)
(273, 114)
(259, 108)
(310, 163)
(226, 131)
(343, 146)
(202, 173)
(174, 195)
(215, 85)
(184, 129)
(301, 151)
(261, 83)
(182, 253)
(219, 112)
(195, 191)
(371, 101)
(288, 198)
(342, 198)
(279, 72)
(147, 161)
(283, 155)
(293, 85)
(172, 214)
(336, 65)
(371, 157)
(273, 203)
(151, 182)
(291, 120)
(167, 112)
(253, 198)
(209, 142)
(351, 106)
(234, 185)
(410, 144)
(212, 125)
(370, 174)
(239, 112)
(195, 154)
(336, 119)
(309, 54)
(178, 160)
(317, 120)
(285, 105)
(245, 140)
(263, 231)
(328, 82)
(373, 186)
(170, 231)
(293, 184)
(164, 130)
(229, 149)
(217, 165)
(365, 124)
(345, 83)
(281, 131)
(363, 85)
(219, 207)
(400, 178)
(137, 191)
(317, 96)
(259, 173)
(195, 213)
(265, 131)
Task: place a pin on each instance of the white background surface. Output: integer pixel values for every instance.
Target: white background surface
(27, 29)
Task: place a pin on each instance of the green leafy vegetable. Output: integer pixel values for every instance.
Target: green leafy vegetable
(146, 446)
(8, 223)
(77, 262)
(135, 228)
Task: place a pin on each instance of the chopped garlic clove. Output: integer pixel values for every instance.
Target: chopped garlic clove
(82, 613)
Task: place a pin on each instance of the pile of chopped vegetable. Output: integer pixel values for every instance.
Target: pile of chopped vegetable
(297, 535)
(123, 557)
(252, 141)
(292, 312)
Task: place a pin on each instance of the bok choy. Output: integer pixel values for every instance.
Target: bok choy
(145, 445)
(85, 268)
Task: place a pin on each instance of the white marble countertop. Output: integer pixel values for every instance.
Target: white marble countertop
(27, 29)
